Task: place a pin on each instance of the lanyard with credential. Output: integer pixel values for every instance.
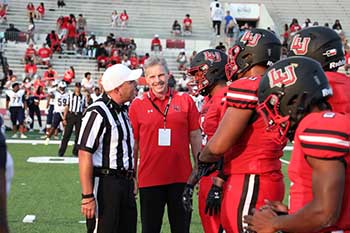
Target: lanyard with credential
(166, 110)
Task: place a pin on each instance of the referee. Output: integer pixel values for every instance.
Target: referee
(72, 118)
(106, 159)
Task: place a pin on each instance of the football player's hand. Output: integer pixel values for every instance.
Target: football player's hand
(277, 206)
(187, 197)
(8, 114)
(213, 202)
(205, 169)
(46, 111)
(261, 221)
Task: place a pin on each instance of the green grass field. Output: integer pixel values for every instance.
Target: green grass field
(52, 193)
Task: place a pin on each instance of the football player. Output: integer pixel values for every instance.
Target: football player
(252, 165)
(325, 46)
(208, 79)
(15, 104)
(293, 95)
(61, 99)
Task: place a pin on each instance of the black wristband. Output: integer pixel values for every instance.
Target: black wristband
(85, 196)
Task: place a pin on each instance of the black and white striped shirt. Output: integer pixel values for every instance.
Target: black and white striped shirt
(107, 134)
(77, 103)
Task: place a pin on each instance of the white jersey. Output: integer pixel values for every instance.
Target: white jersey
(61, 101)
(95, 97)
(16, 98)
(51, 91)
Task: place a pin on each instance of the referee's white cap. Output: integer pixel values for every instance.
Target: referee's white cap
(117, 74)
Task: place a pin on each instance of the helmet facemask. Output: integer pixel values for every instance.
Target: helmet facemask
(232, 68)
(198, 83)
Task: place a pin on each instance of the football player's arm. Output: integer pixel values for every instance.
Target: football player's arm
(65, 114)
(136, 159)
(7, 102)
(230, 129)
(48, 101)
(328, 182)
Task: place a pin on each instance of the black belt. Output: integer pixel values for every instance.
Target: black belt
(76, 113)
(125, 174)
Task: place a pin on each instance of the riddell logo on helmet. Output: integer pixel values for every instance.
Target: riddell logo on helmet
(212, 56)
(250, 39)
(339, 63)
(300, 45)
(278, 78)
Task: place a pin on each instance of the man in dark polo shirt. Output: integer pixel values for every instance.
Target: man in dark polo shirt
(165, 124)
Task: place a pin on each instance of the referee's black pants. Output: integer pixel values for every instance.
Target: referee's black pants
(116, 202)
(153, 200)
(73, 120)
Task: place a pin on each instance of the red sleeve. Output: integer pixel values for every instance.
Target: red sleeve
(193, 114)
(324, 135)
(133, 118)
(242, 93)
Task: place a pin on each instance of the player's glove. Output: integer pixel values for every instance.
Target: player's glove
(205, 169)
(213, 202)
(187, 197)
(46, 111)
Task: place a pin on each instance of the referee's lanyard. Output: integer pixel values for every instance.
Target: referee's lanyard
(164, 135)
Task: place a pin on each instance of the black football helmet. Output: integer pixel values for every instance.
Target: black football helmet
(320, 43)
(207, 68)
(254, 47)
(288, 90)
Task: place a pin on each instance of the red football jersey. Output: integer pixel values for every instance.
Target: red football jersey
(256, 152)
(322, 135)
(211, 113)
(340, 83)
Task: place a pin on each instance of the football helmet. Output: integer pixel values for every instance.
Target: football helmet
(320, 43)
(27, 121)
(206, 69)
(288, 90)
(254, 47)
(62, 85)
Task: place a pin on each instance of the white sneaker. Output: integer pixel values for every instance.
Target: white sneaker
(31, 130)
(14, 136)
(47, 140)
(23, 136)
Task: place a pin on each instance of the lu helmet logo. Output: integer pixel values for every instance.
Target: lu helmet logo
(300, 45)
(278, 78)
(250, 39)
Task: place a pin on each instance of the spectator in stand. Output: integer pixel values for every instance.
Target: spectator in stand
(60, 3)
(126, 61)
(182, 83)
(30, 54)
(81, 43)
(143, 59)
(30, 10)
(40, 11)
(124, 18)
(134, 61)
(81, 24)
(315, 24)
(221, 47)
(213, 5)
(156, 45)
(181, 60)
(30, 69)
(3, 14)
(171, 81)
(294, 27)
(91, 45)
(11, 33)
(45, 55)
(53, 42)
(102, 61)
(285, 36)
(228, 19)
(71, 34)
(69, 75)
(337, 26)
(115, 57)
(307, 23)
(217, 15)
(187, 24)
(50, 73)
(231, 32)
(31, 31)
(88, 83)
(38, 82)
(194, 53)
(132, 47)
(114, 19)
(176, 28)
(326, 25)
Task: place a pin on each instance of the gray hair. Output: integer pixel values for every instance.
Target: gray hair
(153, 61)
